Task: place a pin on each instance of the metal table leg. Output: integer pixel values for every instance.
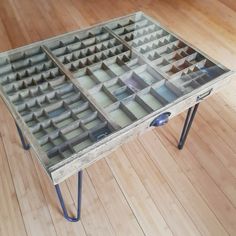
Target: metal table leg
(65, 213)
(25, 145)
(187, 125)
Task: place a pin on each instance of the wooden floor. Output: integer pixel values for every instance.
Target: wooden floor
(148, 186)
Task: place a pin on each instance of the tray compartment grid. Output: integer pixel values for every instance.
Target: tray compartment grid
(128, 68)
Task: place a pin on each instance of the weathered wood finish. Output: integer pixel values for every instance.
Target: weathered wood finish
(148, 179)
(133, 54)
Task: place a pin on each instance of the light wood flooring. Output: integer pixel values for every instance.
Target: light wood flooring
(147, 186)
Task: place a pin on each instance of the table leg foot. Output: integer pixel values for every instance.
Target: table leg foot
(62, 203)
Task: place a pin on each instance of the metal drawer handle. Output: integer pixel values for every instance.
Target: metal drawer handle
(161, 119)
(202, 96)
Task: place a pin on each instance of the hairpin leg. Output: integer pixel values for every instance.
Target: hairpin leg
(25, 145)
(65, 213)
(187, 125)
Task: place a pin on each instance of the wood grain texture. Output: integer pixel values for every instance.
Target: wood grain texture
(147, 187)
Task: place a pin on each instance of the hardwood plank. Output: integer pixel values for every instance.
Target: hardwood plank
(174, 213)
(113, 200)
(93, 215)
(62, 226)
(196, 207)
(31, 200)
(11, 222)
(145, 210)
(211, 193)
(221, 128)
(215, 142)
(208, 159)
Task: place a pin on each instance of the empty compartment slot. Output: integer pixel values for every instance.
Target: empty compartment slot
(166, 92)
(151, 99)
(100, 133)
(24, 111)
(122, 93)
(40, 132)
(85, 113)
(65, 121)
(121, 117)
(66, 153)
(162, 62)
(58, 140)
(136, 109)
(74, 133)
(86, 79)
(174, 57)
(114, 85)
(118, 67)
(57, 111)
(134, 63)
(92, 123)
(31, 122)
(153, 56)
(211, 69)
(42, 117)
(50, 128)
(48, 145)
(149, 76)
(197, 58)
(183, 65)
(103, 73)
(82, 143)
(134, 82)
(103, 98)
(171, 70)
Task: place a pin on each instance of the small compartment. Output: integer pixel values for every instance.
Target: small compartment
(166, 92)
(31, 122)
(100, 133)
(73, 131)
(87, 112)
(149, 76)
(171, 70)
(121, 116)
(153, 56)
(134, 82)
(48, 145)
(162, 62)
(82, 143)
(134, 63)
(175, 57)
(50, 127)
(56, 112)
(114, 85)
(210, 69)
(151, 99)
(92, 123)
(118, 67)
(86, 79)
(183, 65)
(40, 132)
(103, 73)
(65, 121)
(122, 93)
(42, 117)
(58, 140)
(138, 110)
(103, 97)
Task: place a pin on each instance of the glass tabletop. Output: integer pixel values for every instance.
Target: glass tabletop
(76, 89)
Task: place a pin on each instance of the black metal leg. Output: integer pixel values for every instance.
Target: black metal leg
(187, 125)
(25, 145)
(65, 213)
